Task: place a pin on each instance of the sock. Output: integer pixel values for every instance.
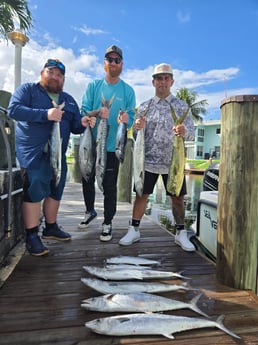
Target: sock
(35, 229)
(179, 227)
(136, 223)
(50, 225)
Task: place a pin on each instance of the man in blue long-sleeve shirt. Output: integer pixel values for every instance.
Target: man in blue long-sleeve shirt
(35, 108)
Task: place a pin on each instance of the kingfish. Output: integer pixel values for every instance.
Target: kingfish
(110, 287)
(131, 260)
(139, 158)
(126, 267)
(87, 154)
(101, 145)
(177, 165)
(150, 324)
(56, 147)
(121, 138)
(117, 274)
(138, 302)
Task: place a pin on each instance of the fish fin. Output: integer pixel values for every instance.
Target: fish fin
(55, 105)
(168, 335)
(220, 325)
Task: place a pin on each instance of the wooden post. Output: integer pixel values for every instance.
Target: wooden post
(124, 182)
(237, 249)
(9, 125)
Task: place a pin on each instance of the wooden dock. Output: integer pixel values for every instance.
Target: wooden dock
(40, 300)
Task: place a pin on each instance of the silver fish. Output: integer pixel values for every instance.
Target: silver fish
(107, 287)
(131, 260)
(121, 137)
(150, 324)
(117, 274)
(126, 267)
(87, 154)
(138, 302)
(101, 145)
(56, 147)
(139, 158)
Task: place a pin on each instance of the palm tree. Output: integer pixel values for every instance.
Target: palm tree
(13, 12)
(190, 97)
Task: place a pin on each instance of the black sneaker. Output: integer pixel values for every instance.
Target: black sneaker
(106, 234)
(89, 216)
(55, 232)
(34, 245)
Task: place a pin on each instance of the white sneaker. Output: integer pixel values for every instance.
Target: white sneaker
(132, 236)
(106, 234)
(182, 240)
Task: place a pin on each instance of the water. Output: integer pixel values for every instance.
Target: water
(158, 203)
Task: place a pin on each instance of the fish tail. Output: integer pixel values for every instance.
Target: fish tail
(180, 275)
(194, 307)
(220, 325)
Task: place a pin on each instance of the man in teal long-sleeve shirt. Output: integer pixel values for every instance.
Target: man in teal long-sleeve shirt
(121, 110)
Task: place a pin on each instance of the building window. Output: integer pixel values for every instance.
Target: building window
(218, 131)
(200, 132)
(200, 137)
(199, 152)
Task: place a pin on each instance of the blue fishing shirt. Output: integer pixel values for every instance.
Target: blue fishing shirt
(29, 107)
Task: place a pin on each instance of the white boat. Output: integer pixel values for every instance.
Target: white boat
(205, 225)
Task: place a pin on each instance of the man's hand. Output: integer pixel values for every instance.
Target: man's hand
(55, 114)
(88, 121)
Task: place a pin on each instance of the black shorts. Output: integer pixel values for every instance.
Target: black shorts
(150, 180)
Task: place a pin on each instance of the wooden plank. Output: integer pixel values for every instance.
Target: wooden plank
(40, 301)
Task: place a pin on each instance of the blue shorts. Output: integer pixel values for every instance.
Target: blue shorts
(150, 180)
(38, 183)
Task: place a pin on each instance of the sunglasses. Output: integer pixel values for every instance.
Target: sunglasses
(55, 63)
(110, 59)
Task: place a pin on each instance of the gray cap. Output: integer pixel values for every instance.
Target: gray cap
(114, 49)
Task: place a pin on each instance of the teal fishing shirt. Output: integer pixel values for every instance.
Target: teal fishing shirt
(124, 99)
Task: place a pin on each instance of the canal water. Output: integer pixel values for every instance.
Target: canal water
(159, 205)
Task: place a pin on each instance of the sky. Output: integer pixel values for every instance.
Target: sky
(211, 45)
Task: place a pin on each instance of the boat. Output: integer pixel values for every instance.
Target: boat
(211, 178)
(204, 228)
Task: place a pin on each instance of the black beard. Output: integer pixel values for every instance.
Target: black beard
(52, 86)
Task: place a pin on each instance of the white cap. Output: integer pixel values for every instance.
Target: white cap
(162, 68)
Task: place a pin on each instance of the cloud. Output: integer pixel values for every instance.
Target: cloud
(183, 17)
(90, 31)
(85, 66)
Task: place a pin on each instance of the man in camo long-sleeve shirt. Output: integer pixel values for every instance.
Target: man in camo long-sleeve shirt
(160, 130)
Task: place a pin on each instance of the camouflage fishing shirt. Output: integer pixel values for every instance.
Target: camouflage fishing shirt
(159, 131)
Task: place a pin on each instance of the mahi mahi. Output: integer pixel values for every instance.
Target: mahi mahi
(138, 302)
(177, 165)
(153, 324)
(117, 274)
(107, 287)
